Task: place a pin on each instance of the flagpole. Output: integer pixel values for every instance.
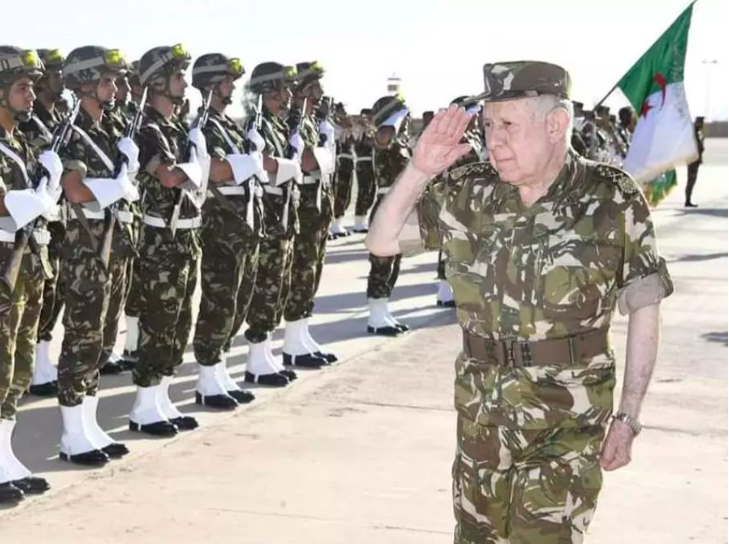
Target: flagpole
(618, 83)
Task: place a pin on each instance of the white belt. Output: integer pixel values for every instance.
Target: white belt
(309, 180)
(124, 216)
(43, 237)
(362, 159)
(229, 191)
(346, 156)
(383, 190)
(90, 214)
(270, 189)
(160, 223)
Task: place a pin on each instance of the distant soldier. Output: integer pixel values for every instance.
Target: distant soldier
(364, 170)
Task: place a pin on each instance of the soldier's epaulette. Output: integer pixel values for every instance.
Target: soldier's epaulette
(613, 174)
(480, 169)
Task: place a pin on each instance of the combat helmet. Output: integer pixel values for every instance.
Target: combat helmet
(158, 64)
(386, 106)
(89, 63)
(211, 69)
(267, 76)
(16, 63)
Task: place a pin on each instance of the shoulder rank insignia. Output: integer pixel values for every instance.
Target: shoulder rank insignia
(477, 169)
(613, 174)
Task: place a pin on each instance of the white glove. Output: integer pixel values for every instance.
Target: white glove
(297, 142)
(288, 169)
(197, 138)
(130, 150)
(256, 139)
(52, 163)
(246, 166)
(130, 190)
(327, 129)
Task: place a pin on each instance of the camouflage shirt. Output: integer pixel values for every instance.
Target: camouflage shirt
(77, 154)
(316, 198)
(40, 128)
(364, 146)
(557, 268)
(218, 209)
(389, 162)
(12, 178)
(163, 142)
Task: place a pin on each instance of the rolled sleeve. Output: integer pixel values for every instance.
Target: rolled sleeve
(644, 279)
(420, 232)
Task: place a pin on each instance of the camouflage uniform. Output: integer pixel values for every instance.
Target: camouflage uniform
(536, 289)
(366, 185)
(344, 175)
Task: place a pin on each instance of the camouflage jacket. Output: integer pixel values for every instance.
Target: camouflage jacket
(555, 269)
(40, 128)
(12, 178)
(316, 198)
(163, 142)
(389, 162)
(78, 155)
(275, 133)
(218, 210)
(364, 146)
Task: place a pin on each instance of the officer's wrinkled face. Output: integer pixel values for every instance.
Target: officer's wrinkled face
(521, 140)
(21, 97)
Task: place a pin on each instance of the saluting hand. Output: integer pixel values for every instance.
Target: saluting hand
(440, 144)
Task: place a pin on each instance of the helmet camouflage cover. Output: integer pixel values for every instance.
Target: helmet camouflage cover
(161, 62)
(87, 64)
(213, 68)
(267, 77)
(16, 63)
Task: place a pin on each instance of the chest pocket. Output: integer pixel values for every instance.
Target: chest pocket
(575, 275)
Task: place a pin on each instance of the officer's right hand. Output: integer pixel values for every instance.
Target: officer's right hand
(297, 142)
(256, 139)
(52, 164)
(197, 138)
(439, 146)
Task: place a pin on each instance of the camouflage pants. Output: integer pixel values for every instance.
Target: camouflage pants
(366, 187)
(119, 268)
(223, 274)
(275, 258)
(19, 315)
(134, 305)
(525, 487)
(53, 290)
(167, 281)
(245, 296)
(384, 272)
(88, 287)
(343, 186)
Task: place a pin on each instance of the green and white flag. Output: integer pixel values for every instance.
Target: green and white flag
(664, 135)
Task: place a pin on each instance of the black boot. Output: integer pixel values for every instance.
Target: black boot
(10, 494)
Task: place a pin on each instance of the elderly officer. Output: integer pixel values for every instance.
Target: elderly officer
(542, 247)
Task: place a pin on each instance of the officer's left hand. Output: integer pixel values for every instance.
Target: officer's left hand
(256, 139)
(616, 448)
(197, 138)
(130, 150)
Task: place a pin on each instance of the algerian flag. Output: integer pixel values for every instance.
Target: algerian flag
(664, 135)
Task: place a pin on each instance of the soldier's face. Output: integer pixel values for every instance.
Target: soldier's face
(284, 97)
(225, 90)
(106, 89)
(122, 86)
(178, 84)
(518, 140)
(55, 82)
(21, 95)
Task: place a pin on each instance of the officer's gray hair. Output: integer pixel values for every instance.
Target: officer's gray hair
(547, 103)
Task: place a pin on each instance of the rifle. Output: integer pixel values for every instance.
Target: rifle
(297, 119)
(110, 215)
(24, 236)
(200, 122)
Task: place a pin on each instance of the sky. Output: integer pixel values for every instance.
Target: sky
(436, 47)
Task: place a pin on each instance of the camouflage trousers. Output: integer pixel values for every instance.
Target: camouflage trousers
(119, 268)
(167, 282)
(343, 185)
(88, 288)
(53, 290)
(441, 268)
(275, 258)
(525, 487)
(384, 272)
(245, 296)
(133, 306)
(19, 315)
(224, 269)
(366, 186)
(309, 252)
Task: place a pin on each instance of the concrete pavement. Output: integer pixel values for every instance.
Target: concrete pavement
(361, 452)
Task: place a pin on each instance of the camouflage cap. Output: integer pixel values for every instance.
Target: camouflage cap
(524, 79)
(16, 63)
(267, 76)
(213, 68)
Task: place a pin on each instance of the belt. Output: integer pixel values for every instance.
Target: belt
(158, 222)
(519, 353)
(383, 190)
(346, 156)
(230, 191)
(362, 159)
(43, 237)
(270, 189)
(90, 214)
(309, 180)
(124, 216)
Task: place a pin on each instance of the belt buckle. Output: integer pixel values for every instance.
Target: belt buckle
(518, 351)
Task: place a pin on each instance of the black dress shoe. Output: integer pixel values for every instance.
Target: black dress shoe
(185, 423)
(32, 485)
(360, 231)
(403, 328)
(270, 380)
(127, 365)
(10, 494)
(385, 331)
(242, 397)
(690, 205)
(111, 369)
(328, 357)
(48, 389)
(93, 458)
(310, 360)
(447, 303)
(290, 374)
(158, 428)
(115, 450)
(222, 402)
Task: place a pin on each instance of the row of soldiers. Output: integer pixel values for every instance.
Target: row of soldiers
(112, 205)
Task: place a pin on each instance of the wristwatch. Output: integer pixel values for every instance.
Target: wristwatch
(631, 422)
